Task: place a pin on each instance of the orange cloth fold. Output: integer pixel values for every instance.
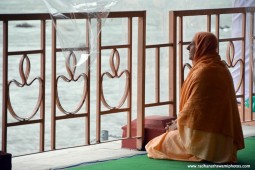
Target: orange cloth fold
(169, 146)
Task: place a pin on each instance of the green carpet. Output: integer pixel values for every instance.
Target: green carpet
(142, 162)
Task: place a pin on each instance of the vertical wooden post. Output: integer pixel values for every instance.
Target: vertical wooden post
(208, 23)
(157, 75)
(5, 86)
(141, 80)
(99, 82)
(180, 44)
(243, 58)
(217, 29)
(129, 60)
(251, 35)
(87, 118)
(42, 106)
(53, 85)
(172, 63)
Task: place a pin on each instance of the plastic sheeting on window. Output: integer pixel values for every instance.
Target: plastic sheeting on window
(75, 35)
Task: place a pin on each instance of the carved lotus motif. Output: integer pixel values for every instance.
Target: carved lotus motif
(230, 54)
(71, 72)
(24, 82)
(114, 65)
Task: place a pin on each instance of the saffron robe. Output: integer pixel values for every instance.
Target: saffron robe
(209, 126)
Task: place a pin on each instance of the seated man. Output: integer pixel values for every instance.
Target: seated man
(208, 126)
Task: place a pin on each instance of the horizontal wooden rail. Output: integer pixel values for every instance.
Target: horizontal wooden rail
(75, 15)
(200, 12)
(25, 52)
